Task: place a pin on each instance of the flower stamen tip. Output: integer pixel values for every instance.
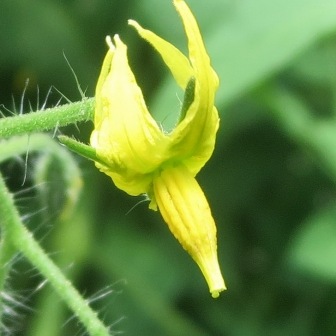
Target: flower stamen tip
(215, 293)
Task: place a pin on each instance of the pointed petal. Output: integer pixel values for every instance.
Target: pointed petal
(125, 134)
(194, 137)
(197, 54)
(178, 64)
(186, 211)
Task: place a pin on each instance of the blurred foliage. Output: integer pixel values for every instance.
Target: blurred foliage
(270, 183)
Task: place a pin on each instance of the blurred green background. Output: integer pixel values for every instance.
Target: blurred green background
(270, 183)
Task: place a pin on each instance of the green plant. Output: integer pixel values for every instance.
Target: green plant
(270, 183)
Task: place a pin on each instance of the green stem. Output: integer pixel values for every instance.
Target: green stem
(23, 240)
(20, 145)
(69, 171)
(7, 251)
(47, 119)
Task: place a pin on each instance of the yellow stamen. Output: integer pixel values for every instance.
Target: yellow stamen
(186, 211)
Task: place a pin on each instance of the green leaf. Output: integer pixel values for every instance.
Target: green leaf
(313, 249)
(189, 97)
(296, 119)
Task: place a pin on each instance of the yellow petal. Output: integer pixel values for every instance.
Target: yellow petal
(187, 213)
(194, 137)
(197, 54)
(177, 63)
(125, 134)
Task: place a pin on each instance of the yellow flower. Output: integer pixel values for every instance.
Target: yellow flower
(143, 159)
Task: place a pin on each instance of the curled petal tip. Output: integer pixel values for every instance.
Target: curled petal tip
(132, 23)
(109, 42)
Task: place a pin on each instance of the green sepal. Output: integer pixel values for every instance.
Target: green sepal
(189, 97)
(78, 147)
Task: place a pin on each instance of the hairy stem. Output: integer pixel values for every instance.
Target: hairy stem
(23, 240)
(47, 119)
(7, 251)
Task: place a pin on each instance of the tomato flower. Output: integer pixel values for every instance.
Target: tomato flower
(141, 158)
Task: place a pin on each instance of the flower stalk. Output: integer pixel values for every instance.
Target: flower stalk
(13, 229)
(47, 119)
